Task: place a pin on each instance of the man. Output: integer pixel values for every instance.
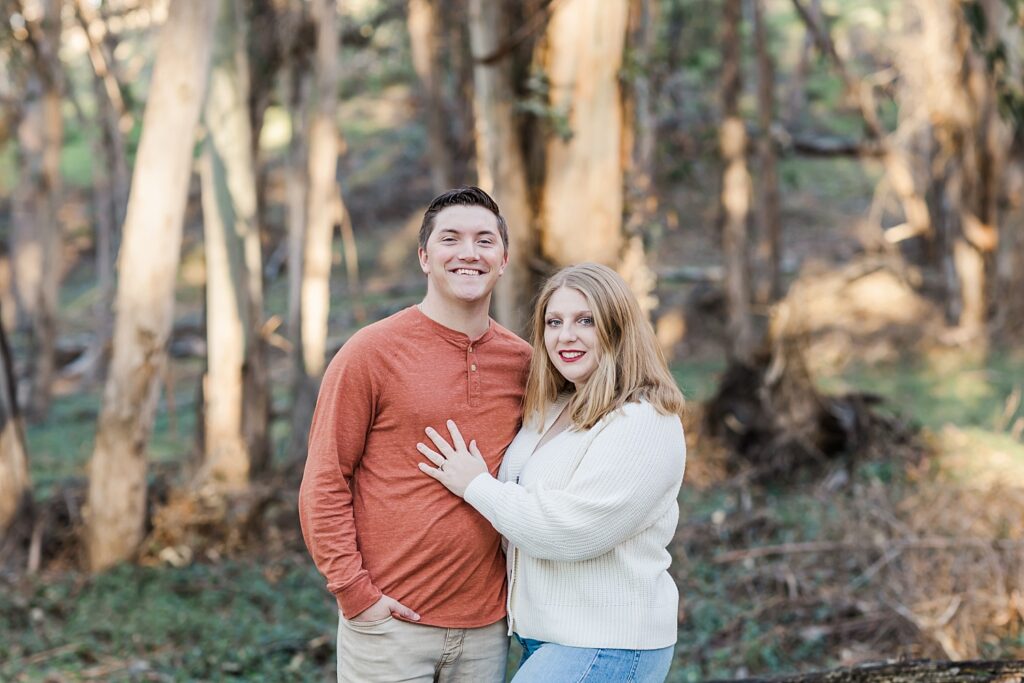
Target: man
(419, 575)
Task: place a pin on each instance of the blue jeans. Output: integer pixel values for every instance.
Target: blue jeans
(553, 663)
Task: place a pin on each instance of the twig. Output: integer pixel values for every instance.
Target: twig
(40, 657)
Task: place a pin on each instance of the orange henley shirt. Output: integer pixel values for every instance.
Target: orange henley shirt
(372, 521)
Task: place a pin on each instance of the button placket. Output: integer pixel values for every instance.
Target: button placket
(472, 378)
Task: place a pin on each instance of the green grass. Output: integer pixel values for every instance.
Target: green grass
(947, 390)
(238, 620)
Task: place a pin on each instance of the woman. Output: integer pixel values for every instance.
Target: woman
(586, 495)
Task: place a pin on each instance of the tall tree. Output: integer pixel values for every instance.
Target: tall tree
(297, 87)
(423, 22)
(111, 180)
(769, 285)
(500, 166)
(116, 501)
(36, 233)
(322, 211)
(638, 151)
(948, 109)
(734, 202)
(581, 202)
(234, 288)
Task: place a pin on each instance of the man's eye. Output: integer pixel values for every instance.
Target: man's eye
(447, 240)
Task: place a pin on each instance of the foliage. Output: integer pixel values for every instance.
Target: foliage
(261, 619)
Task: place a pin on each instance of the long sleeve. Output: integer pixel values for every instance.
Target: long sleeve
(629, 473)
(344, 414)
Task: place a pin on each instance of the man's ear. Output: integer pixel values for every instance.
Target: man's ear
(504, 262)
(422, 254)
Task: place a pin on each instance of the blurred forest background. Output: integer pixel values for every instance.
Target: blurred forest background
(819, 203)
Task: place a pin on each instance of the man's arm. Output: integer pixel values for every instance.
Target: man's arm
(344, 414)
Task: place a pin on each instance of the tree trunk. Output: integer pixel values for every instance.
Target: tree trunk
(234, 284)
(111, 180)
(769, 286)
(15, 489)
(37, 234)
(734, 209)
(581, 202)
(322, 208)
(423, 37)
(796, 99)
(320, 212)
(116, 502)
(296, 191)
(500, 167)
(638, 150)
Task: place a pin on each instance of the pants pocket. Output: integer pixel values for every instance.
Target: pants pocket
(369, 626)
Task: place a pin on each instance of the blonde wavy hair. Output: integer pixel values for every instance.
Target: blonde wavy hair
(630, 364)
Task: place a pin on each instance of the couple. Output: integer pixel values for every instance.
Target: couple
(570, 461)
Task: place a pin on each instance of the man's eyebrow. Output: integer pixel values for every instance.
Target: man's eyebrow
(479, 231)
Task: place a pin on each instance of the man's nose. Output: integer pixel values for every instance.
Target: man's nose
(467, 251)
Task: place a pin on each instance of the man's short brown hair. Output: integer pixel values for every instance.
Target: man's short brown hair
(462, 196)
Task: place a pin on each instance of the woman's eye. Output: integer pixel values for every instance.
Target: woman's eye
(586, 321)
(554, 322)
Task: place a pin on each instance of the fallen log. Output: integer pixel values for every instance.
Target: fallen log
(914, 671)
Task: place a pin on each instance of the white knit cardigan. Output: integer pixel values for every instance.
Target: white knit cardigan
(588, 517)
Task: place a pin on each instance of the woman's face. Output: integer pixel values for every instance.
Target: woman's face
(570, 335)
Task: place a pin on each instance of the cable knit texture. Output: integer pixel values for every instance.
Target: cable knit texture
(588, 518)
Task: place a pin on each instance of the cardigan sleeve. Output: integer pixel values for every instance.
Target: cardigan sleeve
(632, 469)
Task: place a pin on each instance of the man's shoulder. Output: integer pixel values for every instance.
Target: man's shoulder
(400, 323)
(513, 341)
(375, 338)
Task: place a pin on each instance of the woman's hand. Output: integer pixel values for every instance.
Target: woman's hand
(457, 465)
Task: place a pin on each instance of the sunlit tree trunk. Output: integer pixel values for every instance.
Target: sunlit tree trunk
(948, 98)
(116, 501)
(769, 285)
(581, 203)
(500, 167)
(734, 209)
(423, 37)
(320, 202)
(322, 209)
(15, 491)
(233, 262)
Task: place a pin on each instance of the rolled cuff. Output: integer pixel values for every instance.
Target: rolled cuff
(357, 596)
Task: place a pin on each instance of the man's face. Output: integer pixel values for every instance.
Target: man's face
(464, 255)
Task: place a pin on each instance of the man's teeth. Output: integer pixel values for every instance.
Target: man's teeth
(466, 271)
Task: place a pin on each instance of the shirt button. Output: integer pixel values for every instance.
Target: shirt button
(471, 349)
(473, 367)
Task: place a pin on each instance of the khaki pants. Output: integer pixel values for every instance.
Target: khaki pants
(390, 650)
